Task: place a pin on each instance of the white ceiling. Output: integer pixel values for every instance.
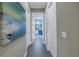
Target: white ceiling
(37, 4)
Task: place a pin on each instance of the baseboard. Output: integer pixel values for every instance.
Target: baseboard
(52, 53)
(25, 54)
(27, 48)
(49, 50)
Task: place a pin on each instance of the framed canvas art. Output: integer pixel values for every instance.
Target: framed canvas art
(12, 22)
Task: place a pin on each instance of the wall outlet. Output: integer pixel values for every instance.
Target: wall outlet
(64, 35)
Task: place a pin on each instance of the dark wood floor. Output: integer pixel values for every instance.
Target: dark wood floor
(38, 49)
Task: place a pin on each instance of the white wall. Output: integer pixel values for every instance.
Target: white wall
(50, 24)
(37, 10)
(28, 26)
(68, 21)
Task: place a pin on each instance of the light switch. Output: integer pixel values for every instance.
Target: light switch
(64, 35)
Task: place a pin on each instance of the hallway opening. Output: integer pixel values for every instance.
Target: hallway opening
(37, 25)
(38, 48)
(44, 44)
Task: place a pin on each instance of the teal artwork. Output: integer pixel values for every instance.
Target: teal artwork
(12, 22)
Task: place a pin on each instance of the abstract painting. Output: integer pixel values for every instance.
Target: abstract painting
(12, 22)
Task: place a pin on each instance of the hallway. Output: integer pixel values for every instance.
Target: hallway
(38, 49)
(39, 29)
(36, 27)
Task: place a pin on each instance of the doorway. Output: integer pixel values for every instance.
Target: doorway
(37, 48)
(37, 26)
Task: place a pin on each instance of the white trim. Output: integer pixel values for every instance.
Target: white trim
(49, 50)
(51, 53)
(27, 48)
(25, 53)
